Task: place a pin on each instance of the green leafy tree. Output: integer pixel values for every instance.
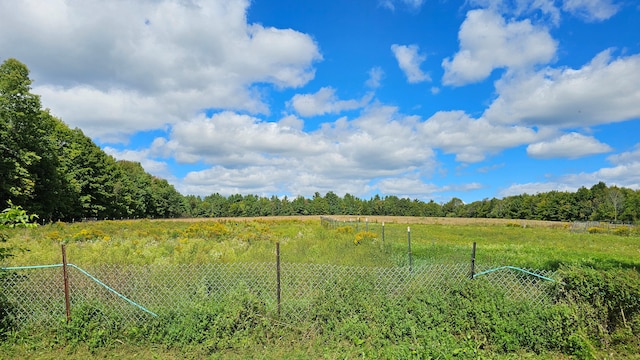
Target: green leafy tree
(453, 208)
(318, 205)
(631, 211)
(25, 147)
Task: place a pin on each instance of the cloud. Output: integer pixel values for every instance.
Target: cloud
(341, 156)
(231, 139)
(625, 172)
(591, 10)
(411, 4)
(324, 102)
(110, 115)
(472, 139)
(375, 76)
(158, 168)
(175, 57)
(488, 42)
(522, 8)
(628, 157)
(572, 146)
(538, 187)
(602, 91)
(409, 186)
(409, 61)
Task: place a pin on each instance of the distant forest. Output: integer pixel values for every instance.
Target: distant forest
(61, 174)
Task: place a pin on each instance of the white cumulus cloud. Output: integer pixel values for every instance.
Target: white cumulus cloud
(342, 156)
(488, 42)
(591, 10)
(624, 172)
(603, 91)
(572, 146)
(409, 59)
(472, 139)
(132, 66)
(324, 101)
(375, 77)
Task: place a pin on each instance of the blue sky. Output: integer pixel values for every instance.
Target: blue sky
(427, 99)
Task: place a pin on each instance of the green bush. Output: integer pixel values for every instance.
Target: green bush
(606, 302)
(237, 321)
(93, 325)
(596, 230)
(622, 231)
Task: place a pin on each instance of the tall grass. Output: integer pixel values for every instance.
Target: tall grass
(596, 309)
(467, 320)
(157, 242)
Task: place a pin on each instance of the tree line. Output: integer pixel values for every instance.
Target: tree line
(59, 173)
(598, 203)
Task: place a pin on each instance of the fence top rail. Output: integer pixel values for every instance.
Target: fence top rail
(516, 269)
(96, 280)
(12, 268)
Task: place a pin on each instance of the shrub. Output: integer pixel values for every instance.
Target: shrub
(596, 230)
(364, 235)
(622, 231)
(90, 235)
(345, 230)
(606, 301)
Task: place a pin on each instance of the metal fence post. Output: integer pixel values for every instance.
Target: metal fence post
(409, 244)
(383, 235)
(278, 274)
(67, 303)
(473, 261)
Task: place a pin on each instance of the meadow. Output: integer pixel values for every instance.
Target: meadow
(528, 244)
(595, 312)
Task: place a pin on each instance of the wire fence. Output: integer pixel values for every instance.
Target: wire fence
(604, 227)
(136, 292)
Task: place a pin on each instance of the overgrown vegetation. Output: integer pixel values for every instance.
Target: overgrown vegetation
(10, 218)
(467, 321)
(594, 312)
(306, 241)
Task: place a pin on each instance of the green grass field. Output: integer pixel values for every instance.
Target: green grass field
(595, 314)
(307, 241)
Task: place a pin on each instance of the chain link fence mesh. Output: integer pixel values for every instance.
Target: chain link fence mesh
(37, 295)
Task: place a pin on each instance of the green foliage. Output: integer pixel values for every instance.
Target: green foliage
(95, 326)
(11, 217)
(236, 321)
(596, 310)
(622, 231)
(607, 301)
(60, 173)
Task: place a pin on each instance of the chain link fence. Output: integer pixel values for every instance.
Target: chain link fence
(135, 292)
